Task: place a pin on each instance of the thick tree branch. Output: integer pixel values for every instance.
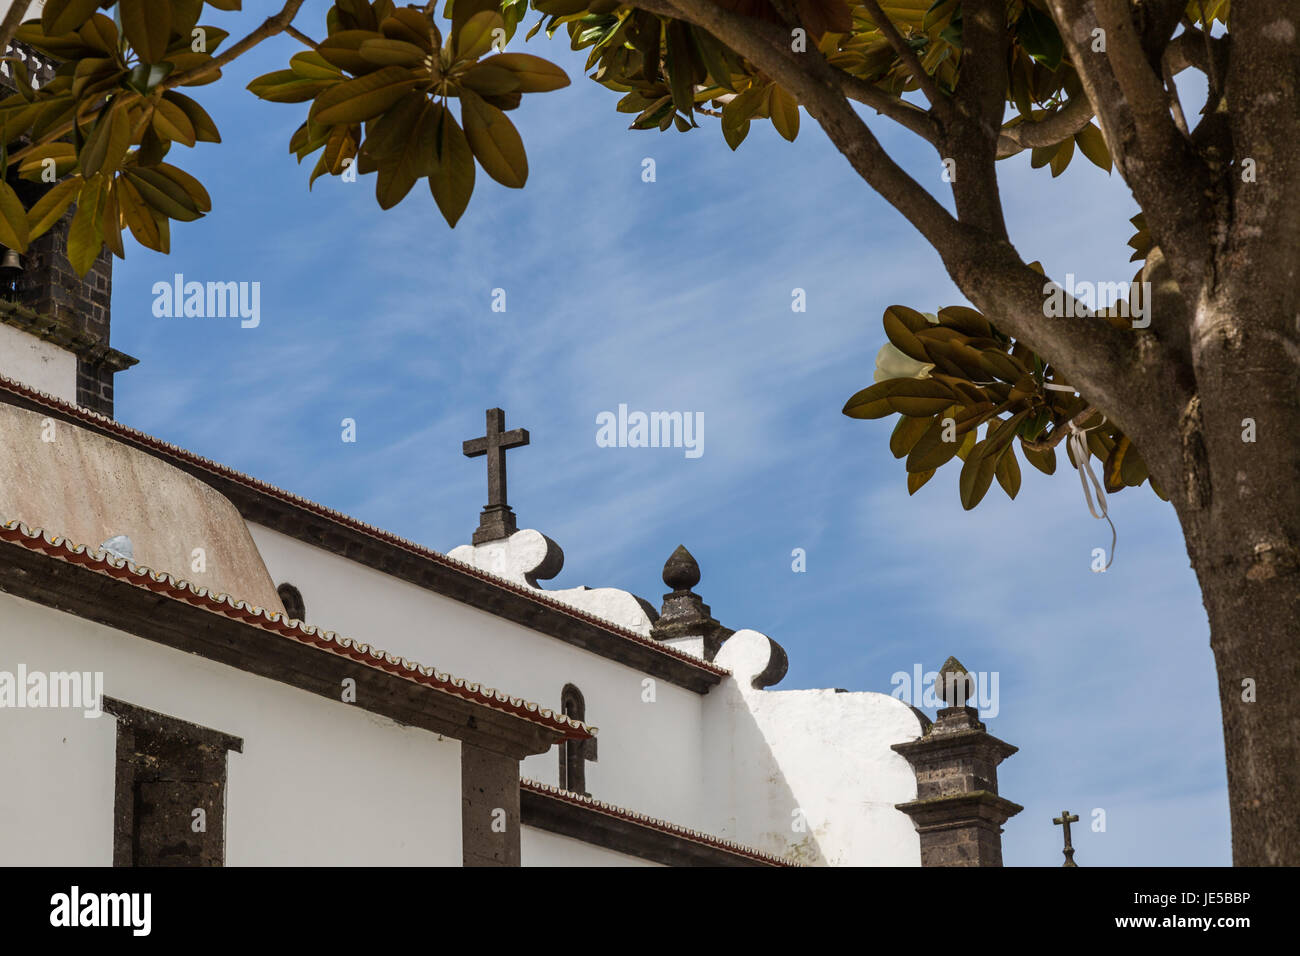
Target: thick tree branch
(1048, 131)
(1096, 356)
(1187, 50)
(819, 89)
(12, 21)
(980, 103)
(904, 114)
(1167, 177)
(938, 102)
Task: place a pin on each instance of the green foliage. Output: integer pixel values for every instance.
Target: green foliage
(380, 85)
(970, 375)
(113, 96)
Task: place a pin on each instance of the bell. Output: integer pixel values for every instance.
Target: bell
(11, 262)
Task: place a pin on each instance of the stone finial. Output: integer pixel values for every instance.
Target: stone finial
(956, 686)
(684, 613)
(681, 572)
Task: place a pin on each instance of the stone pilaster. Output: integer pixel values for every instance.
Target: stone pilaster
(957, 811)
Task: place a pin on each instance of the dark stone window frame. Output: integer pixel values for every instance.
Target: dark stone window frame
(137, 728)
(574, 754)
(292, 600)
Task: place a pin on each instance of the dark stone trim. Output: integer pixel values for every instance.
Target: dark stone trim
(155, 722)
(547, 812)
(67, 337)
(118, 604)
(132, 720)
(328, 533)
(489, 814)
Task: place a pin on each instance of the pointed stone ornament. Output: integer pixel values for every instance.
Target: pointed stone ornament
(684, 613)
(681, 571)
(956, 686)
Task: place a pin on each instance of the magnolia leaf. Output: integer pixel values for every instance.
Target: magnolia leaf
(1093, 145)
(64, 16)
(1008, 472)
(139, 218)
(409, 24)
(1112, 471)
(785, 113)
(475, 37)
(386, 52)
(387, 134)
(100, 34)
(111, 222)
(907, 432)
(107, 143)
(932, 451)
(1044, 461)
(918, 398)
(192, 187)
(163, 194)
(310, 65)
(414, 159)
(170, 122)
(287, 86)
(343, 50)
(147, 25)
(494, 139)
(33, 165)
(1039, 37)
(976, 475)
(534, 74)
(50, 208)
(915, 481)
(1061, 159)
(364, 98)
(205, 130)
(488, 80)
(14, 229)
(85, 235)
(452, 179)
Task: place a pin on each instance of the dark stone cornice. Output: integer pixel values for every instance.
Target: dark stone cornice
(126, 607)
(88, 348)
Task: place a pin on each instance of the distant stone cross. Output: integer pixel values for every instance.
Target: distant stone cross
(497, 520)
(1065, 819)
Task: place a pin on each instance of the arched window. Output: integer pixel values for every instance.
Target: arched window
(574, 754)
(291, 598)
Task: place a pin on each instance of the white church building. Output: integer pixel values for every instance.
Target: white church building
(197, 668)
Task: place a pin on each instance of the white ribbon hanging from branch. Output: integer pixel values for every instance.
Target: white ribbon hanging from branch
(1078, 445)
(1077, 442)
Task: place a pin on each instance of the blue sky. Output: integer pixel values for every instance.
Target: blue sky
(676, 295)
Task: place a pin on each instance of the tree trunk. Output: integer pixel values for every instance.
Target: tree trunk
(1254, 609)
(1240, 510)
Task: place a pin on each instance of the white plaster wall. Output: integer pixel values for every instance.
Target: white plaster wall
(822, 753)
(318, 782)
(649, 754)
(543, 848)
(37, 363)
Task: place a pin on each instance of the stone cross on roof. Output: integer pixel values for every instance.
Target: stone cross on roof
(1064, 820)
(497, 520)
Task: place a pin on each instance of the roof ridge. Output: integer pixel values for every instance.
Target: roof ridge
(536, 595)
(632, 816)
(179, 589)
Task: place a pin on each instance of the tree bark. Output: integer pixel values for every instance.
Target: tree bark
(1240, 511)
